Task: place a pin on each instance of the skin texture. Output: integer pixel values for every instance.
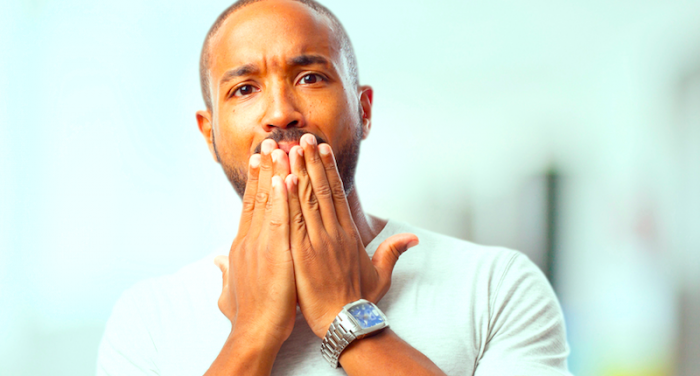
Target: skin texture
(302, 235)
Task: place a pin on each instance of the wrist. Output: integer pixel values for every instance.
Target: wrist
(358, 349)
(261, 340)
(320, 326)
(356, 321)
(245, 353)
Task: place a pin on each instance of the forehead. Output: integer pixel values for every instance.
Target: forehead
(271, 31)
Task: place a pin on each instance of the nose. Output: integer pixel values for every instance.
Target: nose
(282, 110)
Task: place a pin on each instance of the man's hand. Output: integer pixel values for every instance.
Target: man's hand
(331, 265)
(259, 292)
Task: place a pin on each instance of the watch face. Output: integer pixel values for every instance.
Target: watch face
(366, 314)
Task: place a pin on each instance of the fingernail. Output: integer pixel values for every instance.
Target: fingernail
(275, 181)
(310, 139)
(324, 149)
(412, 244)
(266, 147)
(255, 161)
(294, 178)
(300, 151)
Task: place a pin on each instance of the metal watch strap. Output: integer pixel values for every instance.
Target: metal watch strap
(337, 339)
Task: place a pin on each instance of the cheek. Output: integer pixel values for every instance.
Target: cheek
(332, 115)
(234, 142)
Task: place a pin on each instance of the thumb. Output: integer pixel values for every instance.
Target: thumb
(388, 253)
(222, 262)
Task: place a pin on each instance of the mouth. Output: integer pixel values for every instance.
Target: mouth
(286, 146)
(287, 139)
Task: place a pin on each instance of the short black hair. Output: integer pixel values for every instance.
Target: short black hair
(345, 46)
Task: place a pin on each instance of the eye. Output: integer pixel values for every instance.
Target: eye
(311, 78)
(245, 90)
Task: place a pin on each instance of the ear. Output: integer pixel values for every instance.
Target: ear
(204, 123)
(366, 97)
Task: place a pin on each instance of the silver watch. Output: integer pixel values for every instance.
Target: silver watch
(356, 320)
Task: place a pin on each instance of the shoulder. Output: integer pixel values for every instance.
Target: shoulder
(437, 252)
(446, 267)
(523, 326)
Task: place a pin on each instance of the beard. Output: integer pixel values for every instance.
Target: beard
(345, 158)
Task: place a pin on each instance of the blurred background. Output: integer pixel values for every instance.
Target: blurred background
(569, 130)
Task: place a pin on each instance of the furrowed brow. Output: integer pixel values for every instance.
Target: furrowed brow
(243, 70)
(305, 60)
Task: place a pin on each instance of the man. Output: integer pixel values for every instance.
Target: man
(285, 117)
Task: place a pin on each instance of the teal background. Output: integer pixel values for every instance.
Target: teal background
(106, 181)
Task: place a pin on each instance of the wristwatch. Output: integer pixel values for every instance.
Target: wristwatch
(356, 320)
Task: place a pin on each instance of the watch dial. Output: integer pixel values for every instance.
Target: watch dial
(366, 314)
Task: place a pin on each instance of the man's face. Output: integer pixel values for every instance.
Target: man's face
(277, 71)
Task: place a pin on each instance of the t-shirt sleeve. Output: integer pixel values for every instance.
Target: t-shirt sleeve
(527, 336)
(127, 347)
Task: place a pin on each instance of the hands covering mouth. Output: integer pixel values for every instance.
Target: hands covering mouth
(297, 243)
(287, 138)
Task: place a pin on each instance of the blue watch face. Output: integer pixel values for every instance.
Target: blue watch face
(366, 314)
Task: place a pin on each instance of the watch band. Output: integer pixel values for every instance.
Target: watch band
(337, 339)
(356, 320)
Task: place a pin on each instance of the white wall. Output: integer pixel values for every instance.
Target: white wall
(106, 181)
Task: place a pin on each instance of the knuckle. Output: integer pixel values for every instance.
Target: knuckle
(276, 223)
(338, 239)
(323, 191)
(265, 167)
(302, 174)
(395, 252)
(312, 201)
(261, 198)
(298, 219)
(309, 197)
(338, 190)
(330, 165)
(248, 203)
(314, 158)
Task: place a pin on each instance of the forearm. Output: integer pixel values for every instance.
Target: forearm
(244, 355)
(386, 354)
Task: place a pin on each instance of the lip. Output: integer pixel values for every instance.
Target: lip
(286, 146)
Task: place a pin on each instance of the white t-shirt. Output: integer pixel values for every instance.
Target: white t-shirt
(471, 309)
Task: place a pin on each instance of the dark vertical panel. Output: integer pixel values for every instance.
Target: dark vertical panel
(552, 229)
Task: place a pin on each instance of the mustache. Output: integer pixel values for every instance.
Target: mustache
(291, 135)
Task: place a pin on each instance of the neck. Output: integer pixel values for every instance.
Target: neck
(368, 226)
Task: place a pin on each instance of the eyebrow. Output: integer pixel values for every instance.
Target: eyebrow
(305, 60)
(297, 61)
(243, 70)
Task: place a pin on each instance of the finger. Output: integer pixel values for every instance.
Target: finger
(264, 180)
(225, 303)
(319, 181)
(297, 227)
(251, 189)
(222, 262)
(278, 214)
(296, 218)
(280, 163)
(336, 185)
(387, 254)
(305, 193)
